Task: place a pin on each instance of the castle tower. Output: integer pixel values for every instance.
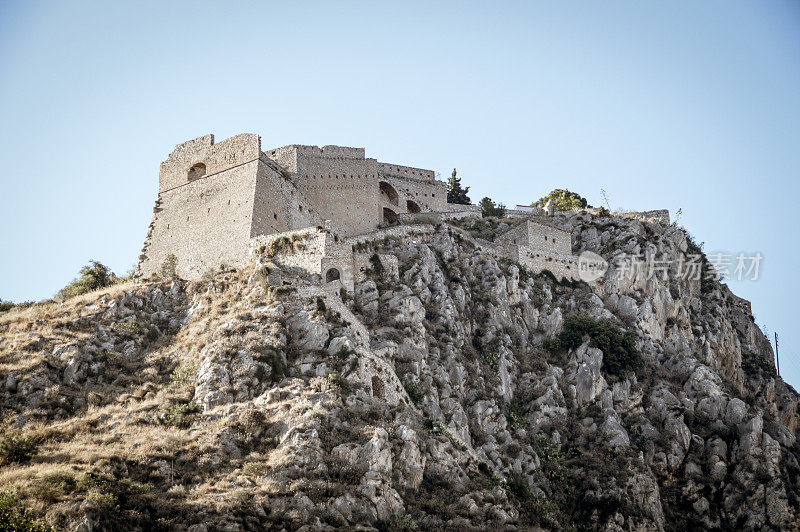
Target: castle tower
(213, 198)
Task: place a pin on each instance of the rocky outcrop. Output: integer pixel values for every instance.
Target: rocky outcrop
(436, 399)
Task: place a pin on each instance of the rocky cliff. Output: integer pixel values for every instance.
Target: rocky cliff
(458, 392)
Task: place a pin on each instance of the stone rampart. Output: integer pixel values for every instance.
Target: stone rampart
(202, 158)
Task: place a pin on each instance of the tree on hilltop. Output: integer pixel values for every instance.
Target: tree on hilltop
(563, 200)
(455, 193)
(491, 209)
(91, 277)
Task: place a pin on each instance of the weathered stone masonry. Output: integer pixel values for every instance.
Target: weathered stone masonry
(218, 202)
(214, 197)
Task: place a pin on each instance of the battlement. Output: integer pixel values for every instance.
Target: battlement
(397, 170)
(201, 157)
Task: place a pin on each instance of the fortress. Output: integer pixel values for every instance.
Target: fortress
(219, 202)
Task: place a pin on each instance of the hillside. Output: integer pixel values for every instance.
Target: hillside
(458, 392)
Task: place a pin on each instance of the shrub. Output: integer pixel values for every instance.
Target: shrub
(552, 345)
(255, 469)
(377, 265)
(518, 486)
(413, 390)
(619, 347)
(563, 200)
(285, 244)
(403, 521)
(104, 504)
(516, 419)
(127, 330)
(182, 415)
(491, 359)
(183, 375)
(339, 382)
(491, 209)
(5, 306)
(16, 448)
(91, 277)
(602, 211)
(169, 267)
(262, 275)
(16, 518)
(321, 308)
(52, 486)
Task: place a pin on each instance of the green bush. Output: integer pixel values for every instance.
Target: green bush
(5, 306)
(491, 209)
(563, 200)
(619, 347)
(169, 267)
(339, 382)
(182, 415)
(552, 345)
(91, 277)
(52, 486)
(413, 390)
(183, 375)
(516, 418)
(16, 448)
(127, 330)
(377, 265)
(16, 518)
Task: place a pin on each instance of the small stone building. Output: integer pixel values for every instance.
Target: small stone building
(541, 247)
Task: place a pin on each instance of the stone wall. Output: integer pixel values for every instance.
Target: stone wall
(537, 260)
(182, 223)
(417, 195)
(304, 252)
(339, 182)
(278, 205)
(207, 157)
(540, 247)
(214, 197)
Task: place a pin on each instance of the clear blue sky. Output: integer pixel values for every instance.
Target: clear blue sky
(692, 105)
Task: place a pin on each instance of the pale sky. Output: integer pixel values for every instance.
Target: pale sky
(676, 105)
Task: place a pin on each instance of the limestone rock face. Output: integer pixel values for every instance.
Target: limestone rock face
(433, 397)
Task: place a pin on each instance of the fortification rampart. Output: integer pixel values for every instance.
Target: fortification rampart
(202, 158)
(215, 197)
(409, 172)
(415, 195)
(180, 224)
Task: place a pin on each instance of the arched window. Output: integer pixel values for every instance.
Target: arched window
(389, 216)
(332, 275)
(388, 193)
(411, 206)
(196, 171)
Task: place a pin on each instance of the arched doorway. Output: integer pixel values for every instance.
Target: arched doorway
(332, 275)
(411, 206)
(196, 171)
(388, 193)
(389, 216)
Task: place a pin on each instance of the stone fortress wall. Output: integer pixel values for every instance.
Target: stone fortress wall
(217, 202)
(202, 181)
(340, 182)
(539, 247)
(214, 197)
